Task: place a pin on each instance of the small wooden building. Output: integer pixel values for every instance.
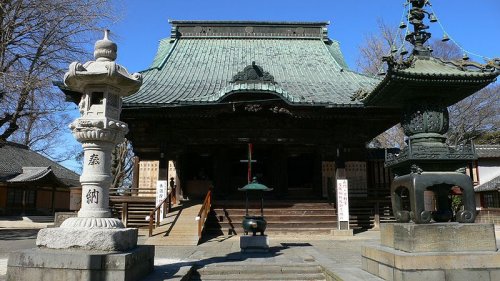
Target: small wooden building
(31, 184)
(487, 172)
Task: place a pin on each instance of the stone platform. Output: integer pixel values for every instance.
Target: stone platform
(53, 265)
(441, 251)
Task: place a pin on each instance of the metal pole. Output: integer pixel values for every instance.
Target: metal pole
(262, 204)
(246, 203)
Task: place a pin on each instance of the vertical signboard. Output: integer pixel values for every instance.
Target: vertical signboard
(148, 175)
(342, 204)
(161, 193)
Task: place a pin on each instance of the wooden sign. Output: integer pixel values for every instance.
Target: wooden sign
(342, 204)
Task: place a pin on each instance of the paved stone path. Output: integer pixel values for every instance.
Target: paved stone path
(340, 255)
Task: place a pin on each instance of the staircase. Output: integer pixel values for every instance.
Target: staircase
(179, 228)
(137, 209)
(283, 217)
(362, 213)
(259, 272)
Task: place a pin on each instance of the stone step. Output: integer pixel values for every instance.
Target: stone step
(273, 231)
(290, 224)
(260, 272)
(280, 218)
(278, 212)
(262, 268)
(271, 205)
(261, 277)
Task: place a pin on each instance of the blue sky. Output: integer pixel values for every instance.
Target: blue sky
(474, 24)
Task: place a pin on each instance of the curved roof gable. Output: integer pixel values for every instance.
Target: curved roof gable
(198, 64)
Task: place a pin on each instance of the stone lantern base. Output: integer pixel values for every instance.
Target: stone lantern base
(49, 264)
(92, 239)
(441, 251)
(79, 253)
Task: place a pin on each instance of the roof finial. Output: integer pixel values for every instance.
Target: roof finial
(419, 36)
(105, 49)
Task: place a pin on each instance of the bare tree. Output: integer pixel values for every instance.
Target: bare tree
(475, 116)
(38, 39)
(376, 46)
(393, 137)
(469, 118)
(122, 165)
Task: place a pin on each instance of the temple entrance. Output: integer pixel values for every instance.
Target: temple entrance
(290, 171)
(246, 165)
(300, 174)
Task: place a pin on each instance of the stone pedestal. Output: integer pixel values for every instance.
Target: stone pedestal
(92, 239)
(254, 243)
(444, 251)
(54, 265)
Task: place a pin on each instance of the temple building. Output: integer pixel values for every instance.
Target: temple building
(227, 101)
(283, 89)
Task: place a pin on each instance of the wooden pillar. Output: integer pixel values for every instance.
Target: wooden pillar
(317, 173)
(135, 176)
(23, 203)
(53, 203)
(280, 171)
(222, 171)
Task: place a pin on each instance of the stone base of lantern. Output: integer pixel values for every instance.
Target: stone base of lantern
(98, 239)
(441, 251)
(54, 265)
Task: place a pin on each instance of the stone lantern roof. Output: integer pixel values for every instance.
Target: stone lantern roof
(104, 70)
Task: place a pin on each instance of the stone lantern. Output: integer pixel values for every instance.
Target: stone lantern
(423, 241)
(93, 243)
(102, 83)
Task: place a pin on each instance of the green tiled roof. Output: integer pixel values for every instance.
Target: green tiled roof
(196, 69)
(429, 77)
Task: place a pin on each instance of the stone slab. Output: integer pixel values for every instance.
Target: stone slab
(60, 217)
(342, 232)
(100, 239)
(431, 260)
(50, 264)
(438, 237)
(391, 264)
(258, 243)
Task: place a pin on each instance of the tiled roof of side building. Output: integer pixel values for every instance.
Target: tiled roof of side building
(196, 69)
(491, 185)
(18, 161)
(488, 150)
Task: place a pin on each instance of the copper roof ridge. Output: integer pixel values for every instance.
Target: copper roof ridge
(248, 22)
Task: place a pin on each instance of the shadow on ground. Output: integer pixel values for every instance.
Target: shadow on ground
(18, 234)
(168, 271)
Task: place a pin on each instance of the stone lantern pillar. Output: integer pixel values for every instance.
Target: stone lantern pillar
(102, 83)
(92, 245)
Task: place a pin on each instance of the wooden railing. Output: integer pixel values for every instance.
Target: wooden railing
(203, 213)
(154, 215)
(141, 192)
